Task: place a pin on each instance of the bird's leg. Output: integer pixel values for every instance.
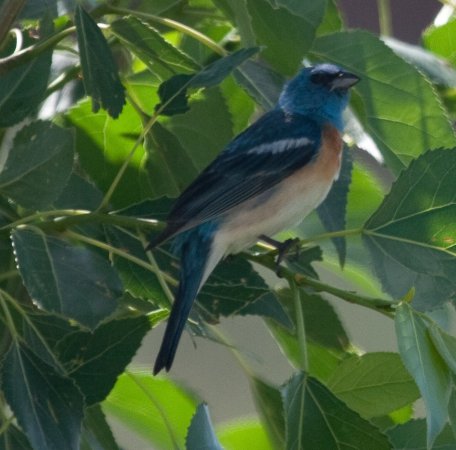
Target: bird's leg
(282, 247)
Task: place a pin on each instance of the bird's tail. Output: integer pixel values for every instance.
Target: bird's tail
(197, 261)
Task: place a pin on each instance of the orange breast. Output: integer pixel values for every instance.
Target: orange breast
(329, 158)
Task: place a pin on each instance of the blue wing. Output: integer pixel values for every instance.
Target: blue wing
(267, 152)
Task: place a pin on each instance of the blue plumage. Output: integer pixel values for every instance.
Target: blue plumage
(271, 175)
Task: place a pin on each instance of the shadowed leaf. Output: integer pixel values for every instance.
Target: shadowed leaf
(173, 92)
(66, 279)
(48, 406)
(426, 366)
(38, 165)
(315, 418)
(99, 71)
(332, 211)
(95, 359)
(201, 435)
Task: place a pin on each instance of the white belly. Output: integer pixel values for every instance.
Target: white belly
(283, 206)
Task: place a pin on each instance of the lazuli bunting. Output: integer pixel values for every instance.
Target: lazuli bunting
(266, 180)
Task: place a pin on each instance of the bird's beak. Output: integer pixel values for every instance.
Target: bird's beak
(344, 81)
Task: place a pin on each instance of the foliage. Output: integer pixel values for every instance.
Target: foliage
(108, 113)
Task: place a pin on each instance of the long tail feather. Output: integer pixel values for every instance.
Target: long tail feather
(197, 261)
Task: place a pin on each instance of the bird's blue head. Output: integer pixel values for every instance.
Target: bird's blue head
(320, 91)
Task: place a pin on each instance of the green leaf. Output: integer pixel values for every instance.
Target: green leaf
(22, 89)
(441, 40)
(95, 359)
(103, 144)
(364, 197)
(315, 418)
(286, 28)
(157, 409)
(138, 281)
(236, 288)
(426, 366)
(149, 45)
(321, 322)
(397, 106)
(65, 279)
(42, 332)
(236, 11)
(201, 435)
(332, 20)
(261, 82)
(333, 209)
(47, 405)
(171, 168)
(268, 402)
(240, 107)
(452, 410)
(38, 165)
(435, 68)
(79, 193)
(412, 436)
(374, 384)
(445, 344)
(244, 433)
(13, 439)
(412, 233)
(99, 71)
(204, 130)
(326, 340)
(96, 433)
(173, 92)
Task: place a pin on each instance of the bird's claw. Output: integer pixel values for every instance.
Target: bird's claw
(283, 248)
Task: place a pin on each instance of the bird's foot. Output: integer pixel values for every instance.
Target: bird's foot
(283, 248)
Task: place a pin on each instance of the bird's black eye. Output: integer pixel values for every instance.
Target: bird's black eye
(322, 78)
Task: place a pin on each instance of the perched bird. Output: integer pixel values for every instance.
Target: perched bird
(267, 179)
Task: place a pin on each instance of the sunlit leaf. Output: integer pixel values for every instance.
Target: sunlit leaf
(374, 384)
(398, 107)
(103, 144)
(157, 409)
(441, 40)
(412, 234)
(435, 68)
(248, 433)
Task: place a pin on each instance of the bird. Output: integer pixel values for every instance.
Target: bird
(267, 179)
